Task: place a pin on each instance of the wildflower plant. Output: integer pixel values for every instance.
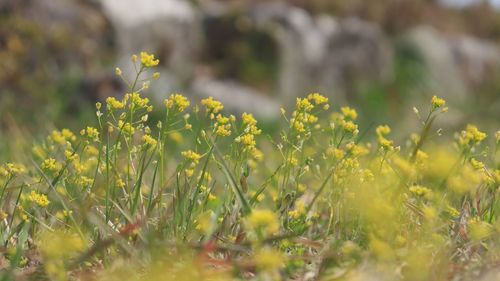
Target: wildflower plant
(203, 194)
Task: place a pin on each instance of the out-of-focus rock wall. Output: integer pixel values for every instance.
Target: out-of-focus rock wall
(314, 52)
(253, 56)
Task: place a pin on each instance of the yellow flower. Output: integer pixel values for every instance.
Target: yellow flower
(299, 210)
(476, 164)
(479, 230)
(421, 156)
(63, 136)
(91, 133)
(223, 126)
(335, 152)
(250, 130)
(112, 103)
(247, 140)
(356, 150)
(205, 221)
(136, 100)
(177, 100)
(248, 119)
(120, 183)
(176, 136)
(127, 128)
(421, 191)
(383, 130)
(191, 155)
(350, 127)
(63, 214)
(293, 161)
(221, 120)
(267, 259)
(12, 169)
(223, 130)
(50, 164)
(349, 112)
(189, 172)
(212, 105)
(304, 105)
(385, 143)
(83, 181)
(148, 60)
(317, 98)
(265, 220)
(257, 154)
(381, 249)
(3, 215)
(39, 199)
(437, 102)
(149, 141)
(471, 136)
(91, 150)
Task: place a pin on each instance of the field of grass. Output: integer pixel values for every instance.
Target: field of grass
(201, 195)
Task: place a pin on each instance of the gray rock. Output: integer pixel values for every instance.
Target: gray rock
(320, 53)
(443, 77)
(168, 28)
(454, 66)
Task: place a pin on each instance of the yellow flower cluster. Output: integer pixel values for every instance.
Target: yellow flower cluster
(466, 180)
(50, 165)
(335, 152)
(91, 133)
(12, 169)
(63, 136)
(302, 115)
(303, 104)
(382, 131)
(356, 150)
(269, 260)
(317, 98)
(421, 191)
(113, 104)
(299, 210)
(264, 220)
(213, 106)
(191, 155)
(126, 127)
(149, 141)
(471, 136)
(120, 183)
(223, 125)
(350, 127)
(479, 229)
(437, 102)
(349, 113)
(178, 101)
(37, 198)
(250, 130)
(476, 164)
(148, 60)
(136, 100)
(83, 181)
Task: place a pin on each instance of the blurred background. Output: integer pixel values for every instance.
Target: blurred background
(57, 57)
